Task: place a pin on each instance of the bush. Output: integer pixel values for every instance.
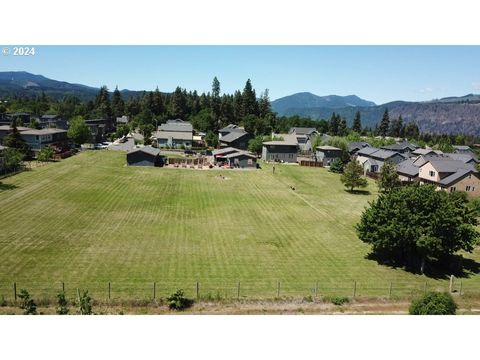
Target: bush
(27, 303)
(339, 300)
(433, 304)
(62, 304)
(178, 301)
(336, 166)
(85, 304)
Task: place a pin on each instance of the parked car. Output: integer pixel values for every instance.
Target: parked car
(100, 146)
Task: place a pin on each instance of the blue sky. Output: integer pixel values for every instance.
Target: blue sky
(377, 73)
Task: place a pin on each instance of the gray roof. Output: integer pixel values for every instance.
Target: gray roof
(357, 145)
(239, 153)
(455, 176)
(448, 165)
(47, 131)
(462, 147)
(327, 147)
(229, 128)
(400, 146)
(280, 143)
(146, 149)
(407, 167)
(367, 151)
(19, 128)
(224, 151)
(177, 126)
(49, 116)
(233, 135)
(181, 135)
(462, 157)
(426, 152)
(302, 130)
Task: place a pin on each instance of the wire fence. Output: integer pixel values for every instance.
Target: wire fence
(239, 290)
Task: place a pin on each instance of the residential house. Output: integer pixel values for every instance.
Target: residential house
(220, 153)
(467, 158)
(372, 159)
(403, 148)
(354, 146)
(407, 171)
(175, 134)
(305, 136)
(234, 136)
(53, 121)
(239, 159)
(462, 149)
(5, 129)
(281, 151)
(327, 154)
(99, 128)
(23, 116)
(145, 156)
(420, 151)
(450, 175)
(38, 139)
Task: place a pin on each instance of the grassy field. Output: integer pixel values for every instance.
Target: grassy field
(89, 220)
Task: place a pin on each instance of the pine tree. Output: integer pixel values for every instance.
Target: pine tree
(178, 104)
(342, 127)
(249, 100)
(15, 141)
(357, 123)
(334, 124)
(384, 124)
(388, 179)
(118, 105)
(216, 103)
(264, 107)
(352, 176)
(102, 104)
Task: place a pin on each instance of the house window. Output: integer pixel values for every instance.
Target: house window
(432, 173)
(467, 188)
(453, 188)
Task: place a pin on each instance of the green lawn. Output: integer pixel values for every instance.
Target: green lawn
(89, 220)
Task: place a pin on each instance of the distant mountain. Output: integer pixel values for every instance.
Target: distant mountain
(26, 84)
(467, 99)
(436, 116)
(306, 100)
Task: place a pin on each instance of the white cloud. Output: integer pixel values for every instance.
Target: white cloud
(426, 90)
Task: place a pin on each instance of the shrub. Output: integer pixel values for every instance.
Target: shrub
(178, 301)
(3, 302)
(336, 166)
(433, 303)
(85, 304)
(27, 303)
(339, 300)
(62, 304)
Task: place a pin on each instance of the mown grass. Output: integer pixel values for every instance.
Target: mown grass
(89, 220)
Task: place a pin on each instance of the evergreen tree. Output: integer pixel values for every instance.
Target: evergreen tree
(342, 127)
(249, 100)
(15, 141)
(102, 106)
(334, 124)
(384, 124)
(264, 107)
(357, 123)
(216, 103)
(396, 127)
(388, 179)
(118, 105)
(412, 131)
(178, 107)
(352, 176)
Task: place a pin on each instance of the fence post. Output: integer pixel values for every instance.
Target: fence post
(390, 290)
(198, 290)
(109, 290)
(451, 284)
(78, 294)
(238, 291)
(354, 288)
(63, 286)
(278, 289)
(15, 291)
(154, 290)
(316, 289)
(460, 293)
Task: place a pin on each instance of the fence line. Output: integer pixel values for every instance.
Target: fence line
(236, 290)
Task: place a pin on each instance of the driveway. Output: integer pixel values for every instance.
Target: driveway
(126, 146)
